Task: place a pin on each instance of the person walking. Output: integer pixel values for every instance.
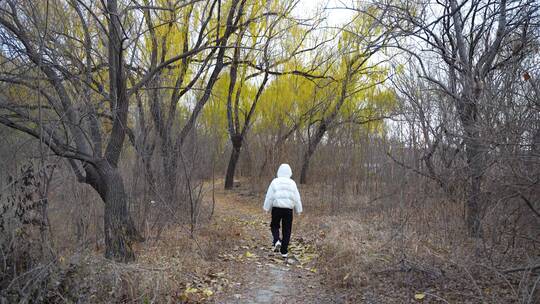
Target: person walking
(282, 197)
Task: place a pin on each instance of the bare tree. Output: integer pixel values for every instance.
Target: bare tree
(79, 84)
(465, 45)
(164, 102)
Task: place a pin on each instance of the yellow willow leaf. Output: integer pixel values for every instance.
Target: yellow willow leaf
(314, 270)
(207, 292)
(190, 290)
(419, 296)
(249, 254)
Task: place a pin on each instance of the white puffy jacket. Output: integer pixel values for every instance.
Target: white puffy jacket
(283, 192)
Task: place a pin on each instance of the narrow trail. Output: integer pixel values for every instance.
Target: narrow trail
(259, 275)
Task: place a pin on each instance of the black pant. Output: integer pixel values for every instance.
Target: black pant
(285, 216)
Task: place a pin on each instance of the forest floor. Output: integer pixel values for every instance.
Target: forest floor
(260, 275)
(350, 257)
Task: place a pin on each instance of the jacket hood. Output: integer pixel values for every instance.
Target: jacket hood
(284, 171)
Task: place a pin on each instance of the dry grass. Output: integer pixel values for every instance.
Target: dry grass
(388, 252)
(382, 251)
(162, 272)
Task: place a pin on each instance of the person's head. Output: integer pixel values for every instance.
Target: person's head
(284, 171)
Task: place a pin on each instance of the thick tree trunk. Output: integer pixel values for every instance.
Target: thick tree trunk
(119, 229)
(475, 172)
(305, 166)
(233, 161)
(312, 146)
(170, 171)
(467, 109)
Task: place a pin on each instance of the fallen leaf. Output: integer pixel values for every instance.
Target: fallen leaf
(217, 275)
(183, 297)
(419, 296)
(207, 292)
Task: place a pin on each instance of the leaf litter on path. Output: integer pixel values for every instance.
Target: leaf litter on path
(257, 272)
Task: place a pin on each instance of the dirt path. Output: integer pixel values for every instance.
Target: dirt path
(258, 274)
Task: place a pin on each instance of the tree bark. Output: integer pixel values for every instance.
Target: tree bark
(305, 167)
(233, 160)
(312, 146)
(170, 170)
(467, 109)
(475, 172)
(119, 229)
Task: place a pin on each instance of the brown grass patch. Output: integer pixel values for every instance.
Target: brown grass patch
(388, 252)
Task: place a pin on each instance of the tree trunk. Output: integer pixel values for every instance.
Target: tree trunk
(467, 109)
(305, 166)
(170, 172)
(474, 168)
(233, 161)
(312, 146)
(119, 229)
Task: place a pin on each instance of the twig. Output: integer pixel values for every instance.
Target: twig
(529, 204)
(213, 189)
(523, 268)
